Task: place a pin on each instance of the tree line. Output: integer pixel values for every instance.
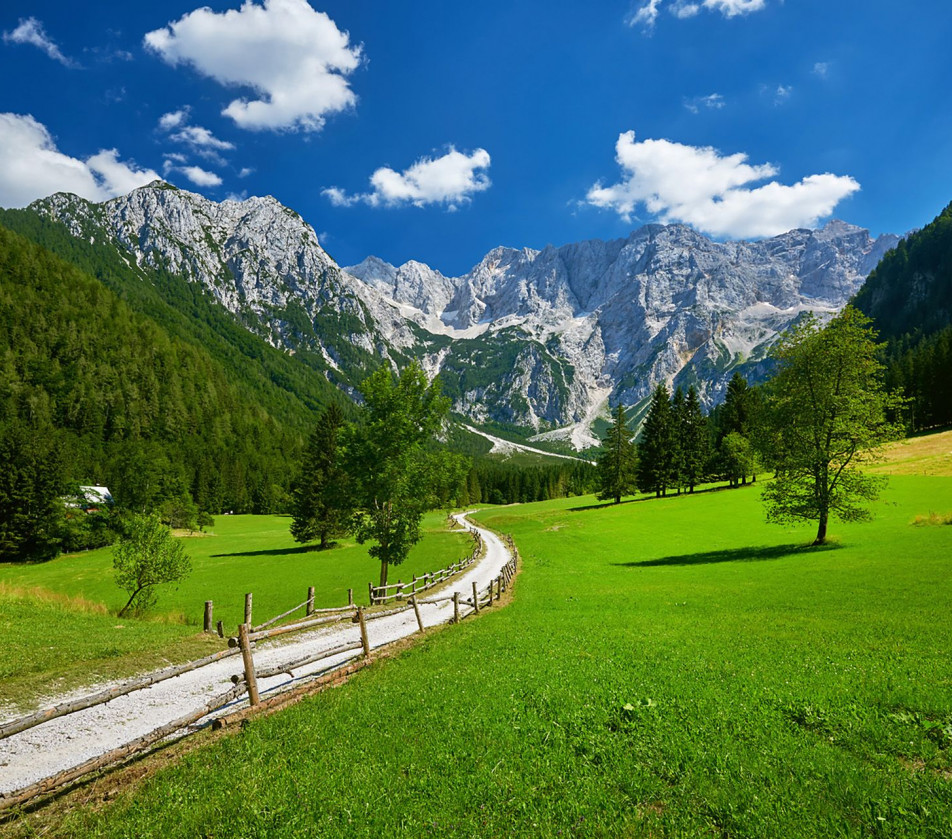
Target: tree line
(679, 445)
(814, 424)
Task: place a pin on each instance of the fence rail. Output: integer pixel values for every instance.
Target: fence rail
(401, 590)
(246, 682)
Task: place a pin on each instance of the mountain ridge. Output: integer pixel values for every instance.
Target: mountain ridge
(529, 339)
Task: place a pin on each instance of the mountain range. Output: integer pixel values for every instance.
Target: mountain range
(535, 342)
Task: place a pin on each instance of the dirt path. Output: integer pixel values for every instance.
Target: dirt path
(64, 743)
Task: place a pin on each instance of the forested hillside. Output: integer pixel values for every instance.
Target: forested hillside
(909, 297)
(135, 403)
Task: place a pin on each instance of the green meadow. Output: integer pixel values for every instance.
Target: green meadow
(670, 667)
(57, 618)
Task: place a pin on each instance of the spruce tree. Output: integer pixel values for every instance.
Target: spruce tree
(617, 462)
(693, 440)
(655, 450)
(320, 495)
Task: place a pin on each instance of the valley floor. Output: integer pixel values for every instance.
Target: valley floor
(670, 667)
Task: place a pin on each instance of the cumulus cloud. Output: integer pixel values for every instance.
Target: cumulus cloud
(201, 138)
(173, 119)
(713, 192)
(450, 180)
(821, 69)
(30, 31)
(647, 14)
(199, 176)
(32, 167)
(294, 58)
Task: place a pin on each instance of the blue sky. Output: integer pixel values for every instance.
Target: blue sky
(438, 130)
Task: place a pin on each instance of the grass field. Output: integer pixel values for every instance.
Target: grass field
(58, 620)
(669, 667)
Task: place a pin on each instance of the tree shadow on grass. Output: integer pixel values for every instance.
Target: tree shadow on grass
(300, 549)
(762, 553)
(669, 497)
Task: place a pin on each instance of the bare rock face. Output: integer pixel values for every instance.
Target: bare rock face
(543, 339)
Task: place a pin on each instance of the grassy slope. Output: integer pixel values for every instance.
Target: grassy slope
(53, 643)
(668, 668)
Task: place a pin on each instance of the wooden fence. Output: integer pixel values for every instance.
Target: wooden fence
(400, 590)
(247, 681)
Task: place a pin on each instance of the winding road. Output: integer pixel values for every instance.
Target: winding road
(69, 741)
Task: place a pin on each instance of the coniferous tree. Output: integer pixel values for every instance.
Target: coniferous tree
(655, 450)
(31, 483)
(617, 462)
(320, 495)
(693, 438)
(678, 469)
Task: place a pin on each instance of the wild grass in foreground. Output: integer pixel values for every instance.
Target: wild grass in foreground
(670, 667)
(58, 618)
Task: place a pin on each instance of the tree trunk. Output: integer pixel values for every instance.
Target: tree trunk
(617, 498)
(821, 530)
(383, 572)
(323, 545)
(122, 611)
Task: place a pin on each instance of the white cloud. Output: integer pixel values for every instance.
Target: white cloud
(647, 14)
(732, 8)
(245, 171)
(451, 180)
(821, 69)
(201, 138)
(713, 102)
(782, 93)
(294, 58)
(173, 119)
(199, 176)
(30, 31)
(712, 192)
(31, 167)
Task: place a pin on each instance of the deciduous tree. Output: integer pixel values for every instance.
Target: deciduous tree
(824, 417)
(145, 557)
(389, 462)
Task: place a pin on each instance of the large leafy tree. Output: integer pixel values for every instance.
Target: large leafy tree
(656, 465)
(617, 461)
(390, 464)
(825, 414)
(321, 498)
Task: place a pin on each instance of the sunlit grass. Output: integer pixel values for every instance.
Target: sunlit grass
(671, 667)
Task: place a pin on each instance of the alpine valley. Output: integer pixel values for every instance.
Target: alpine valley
(538, 343)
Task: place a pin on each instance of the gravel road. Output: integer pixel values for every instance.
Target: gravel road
(64, 743)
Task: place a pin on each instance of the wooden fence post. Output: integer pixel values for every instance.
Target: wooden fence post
(455, 607)
(209, 622)
(310, 600)
(370, 588)
(248, 608)
(475, 598)
(221, 629)
(416, 608)
(350, 597)
(250, 679)
(363, 632)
